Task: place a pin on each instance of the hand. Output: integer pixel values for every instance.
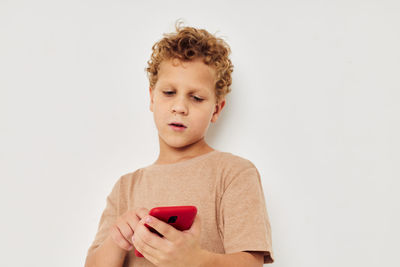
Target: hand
(176, 248)
(122, 231)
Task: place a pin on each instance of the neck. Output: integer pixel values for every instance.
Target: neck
(169, 155)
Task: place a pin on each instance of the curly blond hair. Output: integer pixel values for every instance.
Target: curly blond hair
(189, 43)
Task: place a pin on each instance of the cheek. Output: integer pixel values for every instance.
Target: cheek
(204, 118)
(160, 117)
(159, 110)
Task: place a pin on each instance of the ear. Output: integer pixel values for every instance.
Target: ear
(218, 108)
(151, 98)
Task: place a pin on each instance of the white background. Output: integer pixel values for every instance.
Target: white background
(315, 106)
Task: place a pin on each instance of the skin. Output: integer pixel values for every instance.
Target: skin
(184, 92)
(175, 248)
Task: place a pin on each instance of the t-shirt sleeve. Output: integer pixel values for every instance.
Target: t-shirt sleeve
(245, 222)
(108, 217)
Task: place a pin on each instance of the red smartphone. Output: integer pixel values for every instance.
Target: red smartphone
(180, 217)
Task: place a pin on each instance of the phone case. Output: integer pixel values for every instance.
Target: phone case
(180, 217)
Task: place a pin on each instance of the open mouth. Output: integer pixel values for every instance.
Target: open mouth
(175, 124)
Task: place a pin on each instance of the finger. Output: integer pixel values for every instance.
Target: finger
(125, 229)
(143, 243)
(119, 239)
(149, 236)
(168, 231)
(141, 212)
(132, 220)
(196, 226)
(147, 251)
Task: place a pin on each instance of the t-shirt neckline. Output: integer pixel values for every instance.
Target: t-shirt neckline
(191, 160)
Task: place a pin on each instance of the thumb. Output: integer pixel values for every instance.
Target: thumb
(196, 226)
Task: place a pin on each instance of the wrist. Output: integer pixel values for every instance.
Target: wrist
(109, 244)
(205, 258)
(107, 254)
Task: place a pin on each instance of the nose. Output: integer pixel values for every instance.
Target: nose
(180, 106)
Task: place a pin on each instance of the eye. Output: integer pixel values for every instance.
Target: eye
(168, 93)
(197, 99)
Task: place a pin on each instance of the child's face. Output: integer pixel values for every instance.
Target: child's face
(184, 94)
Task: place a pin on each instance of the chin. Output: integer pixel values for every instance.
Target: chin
(179, 143)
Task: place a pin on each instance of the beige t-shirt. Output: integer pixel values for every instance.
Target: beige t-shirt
(225, 188)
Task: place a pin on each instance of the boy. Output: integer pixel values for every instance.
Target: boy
(190, 74)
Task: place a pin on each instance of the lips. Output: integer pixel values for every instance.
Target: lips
(178, 124)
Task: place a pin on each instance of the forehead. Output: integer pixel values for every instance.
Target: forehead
(194, 73)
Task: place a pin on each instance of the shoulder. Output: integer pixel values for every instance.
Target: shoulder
(236, 169)
(123, 186)
(234, 162)
(127, 179)
(132, 174)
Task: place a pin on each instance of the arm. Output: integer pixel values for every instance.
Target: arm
(182, 248)
(238, 259)
(108, 254)
(112, 252)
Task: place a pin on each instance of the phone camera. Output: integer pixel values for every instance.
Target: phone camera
(172, 219)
